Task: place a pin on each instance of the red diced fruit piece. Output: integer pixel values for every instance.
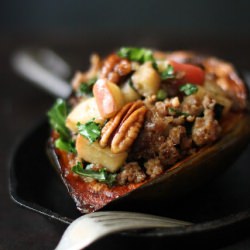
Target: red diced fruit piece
(192, 73)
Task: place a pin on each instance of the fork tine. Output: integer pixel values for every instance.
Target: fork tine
(116, 215)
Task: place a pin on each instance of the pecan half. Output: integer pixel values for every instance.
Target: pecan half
(121, 131)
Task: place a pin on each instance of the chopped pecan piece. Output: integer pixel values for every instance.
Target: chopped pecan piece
(115, 67)
(121, 130)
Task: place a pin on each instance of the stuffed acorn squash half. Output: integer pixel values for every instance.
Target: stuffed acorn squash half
(145, 125)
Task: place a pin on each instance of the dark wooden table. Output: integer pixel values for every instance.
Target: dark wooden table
(22, 105)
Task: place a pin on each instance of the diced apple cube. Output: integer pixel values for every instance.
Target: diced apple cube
(219, 95)
(93, 153)
(146, 80)
(129, 93)
(84, 112)
(109, 98)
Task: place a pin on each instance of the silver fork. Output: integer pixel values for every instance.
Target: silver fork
(91, 227)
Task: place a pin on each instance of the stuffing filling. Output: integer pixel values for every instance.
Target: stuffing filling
(137, 112)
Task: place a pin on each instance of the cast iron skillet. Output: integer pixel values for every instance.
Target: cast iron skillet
(220, 207)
